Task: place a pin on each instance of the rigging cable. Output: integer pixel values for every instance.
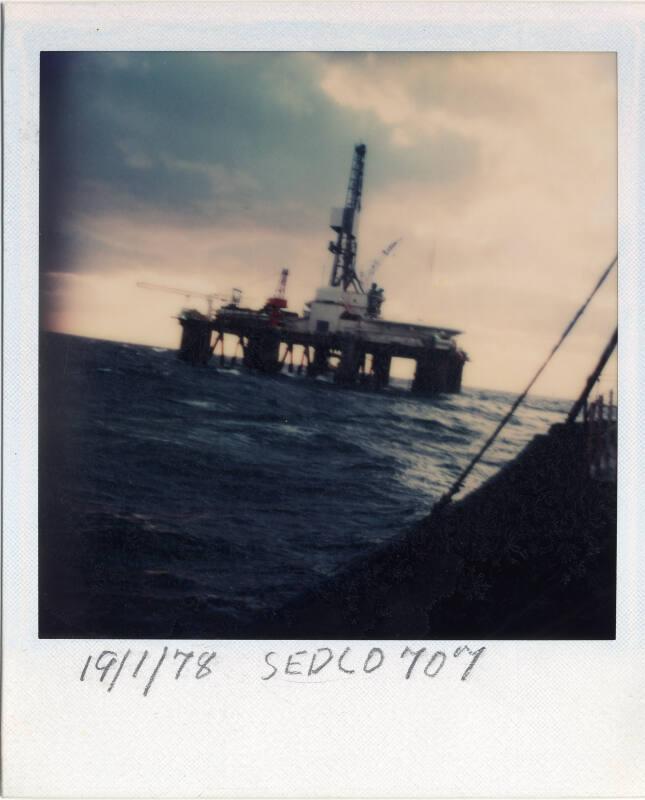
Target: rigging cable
(458, 484)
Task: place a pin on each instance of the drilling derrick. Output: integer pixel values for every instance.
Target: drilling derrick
(344, 222)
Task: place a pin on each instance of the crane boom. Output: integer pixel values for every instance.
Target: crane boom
(209, 297)
(367, 276)
(186, 292)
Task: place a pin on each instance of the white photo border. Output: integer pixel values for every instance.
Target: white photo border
(539, 718)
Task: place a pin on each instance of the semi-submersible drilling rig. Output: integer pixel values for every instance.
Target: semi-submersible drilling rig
(341, 331)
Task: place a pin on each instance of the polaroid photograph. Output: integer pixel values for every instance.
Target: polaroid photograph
(238, 437)
(318, 319)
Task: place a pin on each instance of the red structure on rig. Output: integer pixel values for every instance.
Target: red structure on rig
(278, 302)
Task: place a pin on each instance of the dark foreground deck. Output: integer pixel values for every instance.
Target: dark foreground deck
(529, 555)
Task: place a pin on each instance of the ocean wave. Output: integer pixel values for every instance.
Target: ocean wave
(171, 480)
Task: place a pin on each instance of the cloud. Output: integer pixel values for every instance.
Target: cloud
(202, 137)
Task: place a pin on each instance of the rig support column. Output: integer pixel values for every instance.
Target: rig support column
(195, 346)
(262, 351)
(431, 375)
(350, 363)
(320, 363)
(455, 370)
(381, 363)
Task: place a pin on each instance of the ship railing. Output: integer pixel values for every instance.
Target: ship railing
(600, 420)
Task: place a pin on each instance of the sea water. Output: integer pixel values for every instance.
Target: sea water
(165, 486)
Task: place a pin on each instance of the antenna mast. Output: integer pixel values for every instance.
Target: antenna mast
(344, 222)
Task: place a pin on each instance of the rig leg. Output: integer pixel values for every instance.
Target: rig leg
(320, 363)
(240, 343)
(219, 340)
(302, 361)
(262, 352)
(381, 363)
(195, 347)
(431, 376)
(288, 353)
(455, 370)
(350, 363)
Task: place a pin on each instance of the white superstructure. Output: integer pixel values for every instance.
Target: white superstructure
(332, 306)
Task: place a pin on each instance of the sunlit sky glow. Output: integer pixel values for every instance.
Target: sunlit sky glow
(207, 171)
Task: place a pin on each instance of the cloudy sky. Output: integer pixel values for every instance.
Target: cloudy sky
(211, 170)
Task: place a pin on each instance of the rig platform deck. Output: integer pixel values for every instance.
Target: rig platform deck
(361, 355)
